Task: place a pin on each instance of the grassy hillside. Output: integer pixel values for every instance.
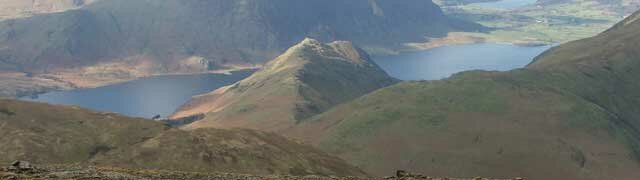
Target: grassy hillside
(308, 79)
(46, 134)
(572, 114)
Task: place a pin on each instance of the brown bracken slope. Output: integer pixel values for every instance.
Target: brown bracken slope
(47, 134)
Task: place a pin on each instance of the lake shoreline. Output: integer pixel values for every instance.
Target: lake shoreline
(443, 61)
(453, 39)
(56, 84)
(162, 93)
(145, 97)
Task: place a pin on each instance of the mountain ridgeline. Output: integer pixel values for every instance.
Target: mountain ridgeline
(571, 114)
(199, 35)
(306, 80)
(47, 134)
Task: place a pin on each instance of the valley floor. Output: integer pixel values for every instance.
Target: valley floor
(533, 25)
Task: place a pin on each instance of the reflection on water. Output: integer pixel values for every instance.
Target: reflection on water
(442, 62)
(146, 97)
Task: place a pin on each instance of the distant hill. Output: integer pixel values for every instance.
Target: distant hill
(47, 134)
(572, 114)
(198, 35)
(306, 80)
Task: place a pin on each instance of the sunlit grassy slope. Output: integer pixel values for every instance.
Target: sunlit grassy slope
(572, 114)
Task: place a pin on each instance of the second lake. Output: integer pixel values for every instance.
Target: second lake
(442, 62)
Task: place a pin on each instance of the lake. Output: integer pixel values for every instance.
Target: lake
(506, 4)
(162, 95)
(442, 62)
(145, 97)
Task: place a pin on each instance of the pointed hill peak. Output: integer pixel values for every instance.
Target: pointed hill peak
(313, 50)
(309, 78)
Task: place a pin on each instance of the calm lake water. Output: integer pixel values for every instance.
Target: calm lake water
(506, 4)
(439, 63)
(145, 97)
(162, 95)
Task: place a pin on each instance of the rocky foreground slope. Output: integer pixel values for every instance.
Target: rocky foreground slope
(306, 80)
(25, 170)
(46, 134)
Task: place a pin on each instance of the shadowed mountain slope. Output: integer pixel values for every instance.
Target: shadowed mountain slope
(167, 35)
(47, 134)
(97, 43)
(572, 114)
(306, 80)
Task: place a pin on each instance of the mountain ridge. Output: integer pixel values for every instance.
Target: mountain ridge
(568, 115)
(307, 79)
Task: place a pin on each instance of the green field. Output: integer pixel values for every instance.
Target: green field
(540, 24)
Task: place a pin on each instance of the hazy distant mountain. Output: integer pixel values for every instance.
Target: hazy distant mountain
(306, 80)
(94, 43)
(46, 134)
(174, 35)
(572, 114)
